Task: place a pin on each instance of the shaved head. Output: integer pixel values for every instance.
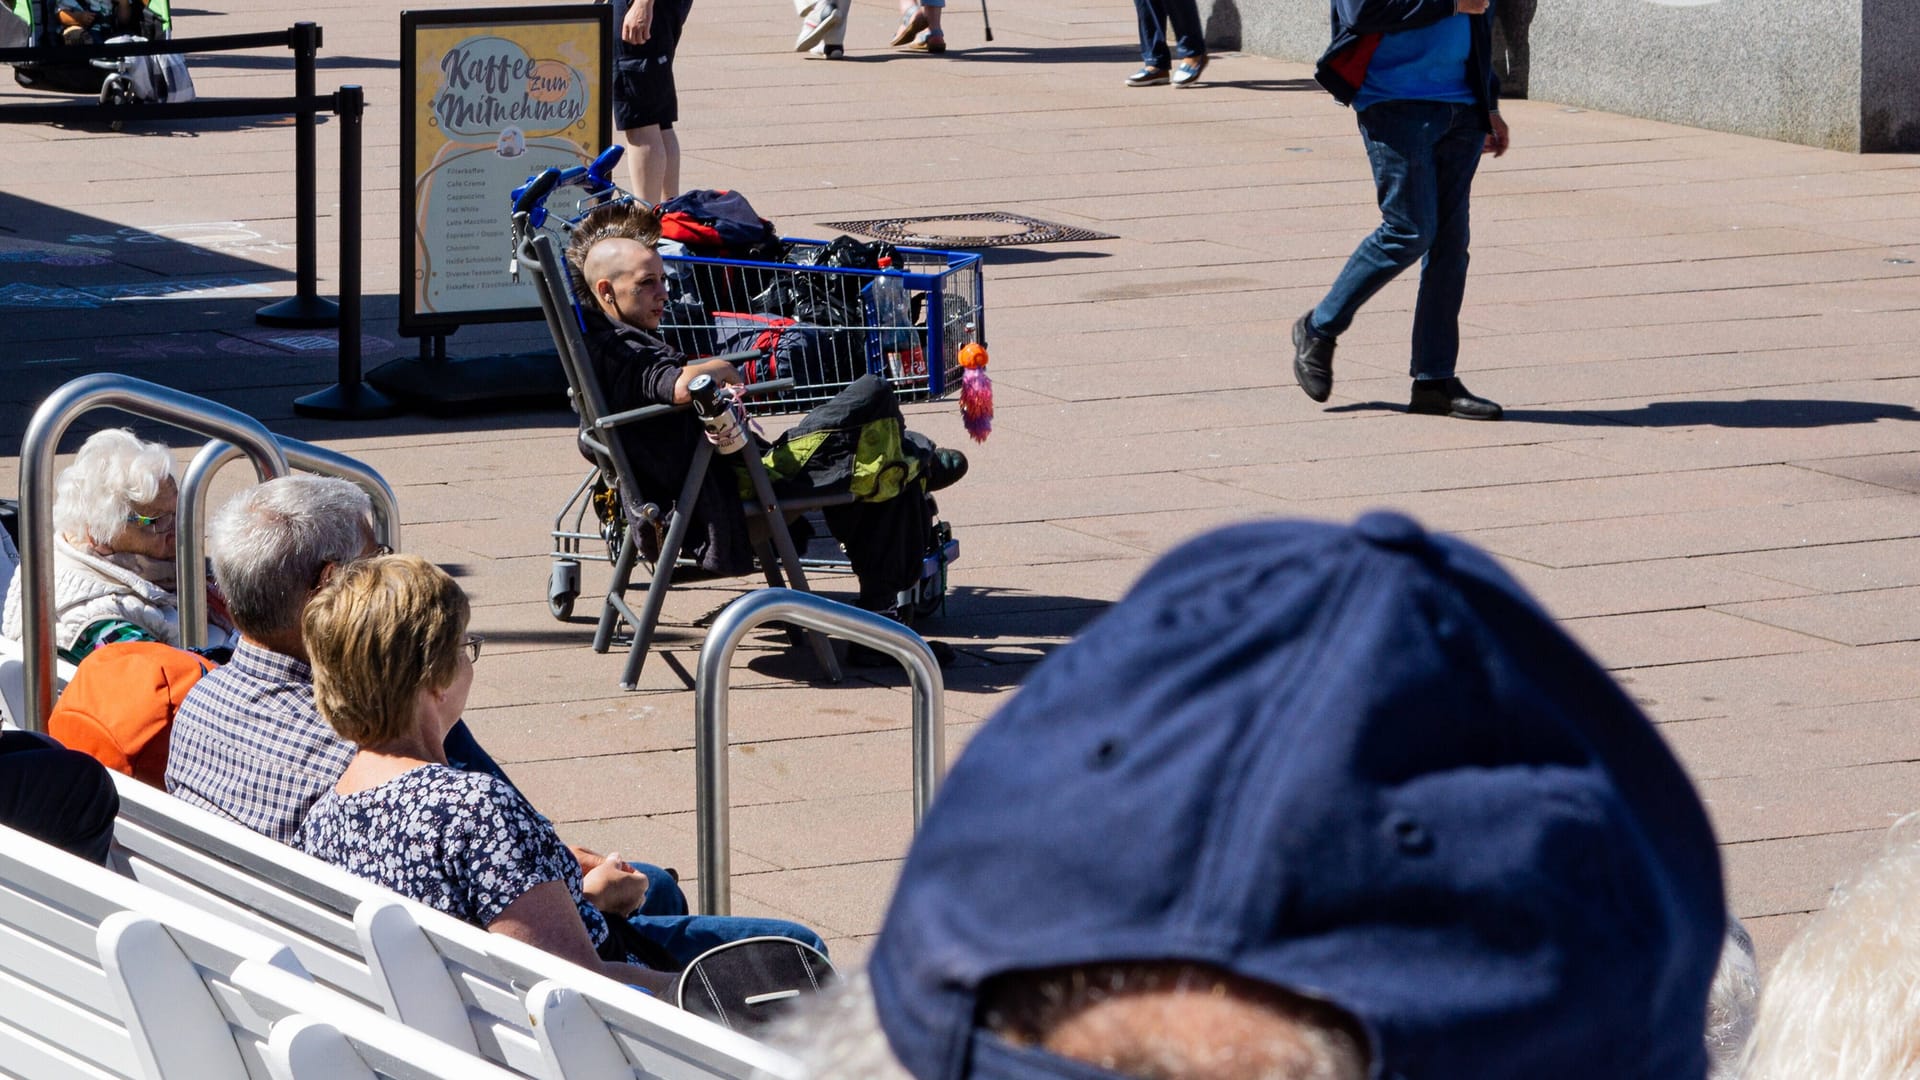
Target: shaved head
(613, 258)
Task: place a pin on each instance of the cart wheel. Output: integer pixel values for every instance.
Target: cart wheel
(563, 586)
(932, 594)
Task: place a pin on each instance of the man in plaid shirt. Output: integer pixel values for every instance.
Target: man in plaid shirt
(249, 743)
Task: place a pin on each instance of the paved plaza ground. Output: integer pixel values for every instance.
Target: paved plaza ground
(1706, 345)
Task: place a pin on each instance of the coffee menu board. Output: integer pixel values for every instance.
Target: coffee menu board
(489, 98)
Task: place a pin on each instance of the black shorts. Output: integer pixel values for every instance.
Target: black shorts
(643, 90)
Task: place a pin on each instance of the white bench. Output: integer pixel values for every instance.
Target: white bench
(432, 972)
(103, 977)
(13, 691)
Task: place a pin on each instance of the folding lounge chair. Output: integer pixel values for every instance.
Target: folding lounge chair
(766, 515)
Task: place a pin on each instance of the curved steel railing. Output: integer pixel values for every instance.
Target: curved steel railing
(192, 515)
(37, 449)
(713, 811)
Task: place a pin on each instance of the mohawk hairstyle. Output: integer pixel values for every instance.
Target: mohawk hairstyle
(624, 220)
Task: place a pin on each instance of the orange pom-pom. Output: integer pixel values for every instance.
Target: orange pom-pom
(973, 355)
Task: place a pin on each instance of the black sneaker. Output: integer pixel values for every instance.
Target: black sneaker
(1312, 360)
(946, 469)
(1450, 397)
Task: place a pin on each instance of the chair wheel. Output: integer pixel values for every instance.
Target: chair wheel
(563, 587)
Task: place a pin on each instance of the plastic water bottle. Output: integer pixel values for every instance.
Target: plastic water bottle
(715, 410)
(894, 315)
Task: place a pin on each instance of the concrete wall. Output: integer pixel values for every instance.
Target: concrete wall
(1835, 73)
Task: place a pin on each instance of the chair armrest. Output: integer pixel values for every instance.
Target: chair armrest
(634, 416)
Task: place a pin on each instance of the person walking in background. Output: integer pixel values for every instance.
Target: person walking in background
(1419, 74)
(645, 101)
(823, 28)
(1157, 65)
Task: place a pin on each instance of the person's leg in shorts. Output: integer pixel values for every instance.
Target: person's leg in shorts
(646, 104)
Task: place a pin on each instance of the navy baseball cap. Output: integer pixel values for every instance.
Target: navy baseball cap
(1359, 763)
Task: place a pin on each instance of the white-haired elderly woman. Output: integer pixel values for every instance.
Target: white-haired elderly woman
(113, 544)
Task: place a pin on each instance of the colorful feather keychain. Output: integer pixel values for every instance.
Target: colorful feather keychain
(976, 392)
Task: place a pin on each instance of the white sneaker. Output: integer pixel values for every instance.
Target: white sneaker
(814, 28)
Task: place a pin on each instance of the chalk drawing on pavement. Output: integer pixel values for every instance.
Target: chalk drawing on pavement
(49, 297)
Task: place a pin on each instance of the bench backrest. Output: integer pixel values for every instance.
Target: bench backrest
(586, 1032)
(280, 1024)
(433, 972)
(59, 1016)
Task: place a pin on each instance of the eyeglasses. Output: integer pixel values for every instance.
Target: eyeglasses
(472, 645)
(151, 522)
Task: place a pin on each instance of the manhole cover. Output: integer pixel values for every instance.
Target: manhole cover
(988, 228)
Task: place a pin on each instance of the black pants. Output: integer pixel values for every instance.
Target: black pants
(58, 795)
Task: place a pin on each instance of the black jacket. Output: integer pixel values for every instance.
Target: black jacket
(1359, 24)
(635, 369)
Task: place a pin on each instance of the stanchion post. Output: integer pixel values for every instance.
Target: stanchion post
(350, 398)
(305, 308)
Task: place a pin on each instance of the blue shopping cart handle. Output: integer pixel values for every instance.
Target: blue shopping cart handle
(528, 196)
(600, 173)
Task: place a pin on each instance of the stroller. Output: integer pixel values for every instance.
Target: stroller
(52, 23)
(655, 537)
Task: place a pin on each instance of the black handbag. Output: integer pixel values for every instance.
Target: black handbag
(746, 984)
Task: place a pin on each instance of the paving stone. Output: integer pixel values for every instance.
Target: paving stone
(1775, 741)
(1652, 638)
(1796, 875)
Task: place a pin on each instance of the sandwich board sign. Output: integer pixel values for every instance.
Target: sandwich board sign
(488, 98)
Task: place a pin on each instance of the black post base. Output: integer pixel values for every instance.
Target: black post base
(475, 384)
(342, 402)
(300, 312)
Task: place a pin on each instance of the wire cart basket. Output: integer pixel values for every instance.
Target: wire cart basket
(824, 326)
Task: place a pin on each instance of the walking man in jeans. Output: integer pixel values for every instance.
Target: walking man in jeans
(1419, 73)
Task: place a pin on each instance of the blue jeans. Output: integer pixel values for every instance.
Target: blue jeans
(663, 920)
(1424, 154)
(1189, 37)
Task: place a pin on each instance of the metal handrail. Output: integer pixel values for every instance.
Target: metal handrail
(712, 809)
(37, 449)
(192, 513)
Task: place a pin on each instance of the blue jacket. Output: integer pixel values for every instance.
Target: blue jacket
(1358, 26)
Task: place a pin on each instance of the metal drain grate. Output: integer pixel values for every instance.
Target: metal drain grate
(914, 231)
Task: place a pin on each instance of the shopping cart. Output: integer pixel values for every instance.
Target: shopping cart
(820, 326)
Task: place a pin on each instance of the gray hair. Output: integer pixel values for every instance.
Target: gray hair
(1843, 1003)
(271, 542)
(113, 472)
(838, 1034)
(1732, 1002)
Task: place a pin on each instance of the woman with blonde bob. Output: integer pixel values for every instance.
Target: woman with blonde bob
(392, 665)
(113, 549)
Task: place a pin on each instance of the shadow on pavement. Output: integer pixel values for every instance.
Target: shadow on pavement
(174, 303)
(1023, 256)
(1763, 413)
(1117, 53)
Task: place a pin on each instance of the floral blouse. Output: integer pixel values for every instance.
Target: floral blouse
(464, 843)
